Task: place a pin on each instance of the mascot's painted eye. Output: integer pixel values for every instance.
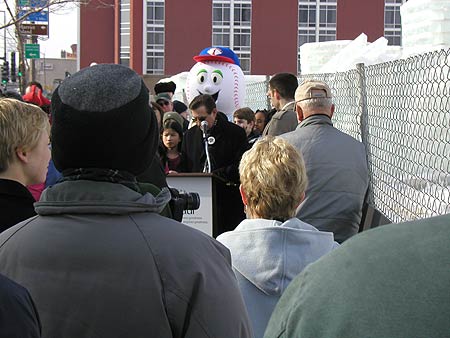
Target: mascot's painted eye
(216, 77)
(201, 76)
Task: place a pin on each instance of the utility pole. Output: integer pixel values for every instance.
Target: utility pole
(21, 51)
(32, 63)
(4, 36)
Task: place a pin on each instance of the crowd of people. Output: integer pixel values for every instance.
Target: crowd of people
(88, 248)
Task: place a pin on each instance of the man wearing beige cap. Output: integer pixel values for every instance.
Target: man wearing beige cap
(335, 164)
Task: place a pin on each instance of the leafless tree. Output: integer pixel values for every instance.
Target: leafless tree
(52, 6)
(14, 21)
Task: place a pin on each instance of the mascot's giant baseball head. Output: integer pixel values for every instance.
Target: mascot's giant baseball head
(218, 73)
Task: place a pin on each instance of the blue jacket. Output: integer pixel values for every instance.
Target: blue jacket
(267, 255)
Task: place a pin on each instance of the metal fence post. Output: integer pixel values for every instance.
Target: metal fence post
(364, 124)
(267, 89)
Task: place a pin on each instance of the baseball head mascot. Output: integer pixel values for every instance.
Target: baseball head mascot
(218, 73)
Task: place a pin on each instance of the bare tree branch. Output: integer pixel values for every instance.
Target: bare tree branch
(52, 6)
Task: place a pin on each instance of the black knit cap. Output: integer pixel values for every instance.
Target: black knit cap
(164, 87)
(179, 107)
(102, 119)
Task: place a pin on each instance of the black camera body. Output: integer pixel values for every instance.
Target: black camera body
(182, 200)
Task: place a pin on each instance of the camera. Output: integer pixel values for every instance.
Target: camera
(182, 200)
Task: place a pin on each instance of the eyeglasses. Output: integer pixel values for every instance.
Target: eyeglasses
(199, 119)
(163, 103)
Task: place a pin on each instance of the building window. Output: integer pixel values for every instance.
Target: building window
(155, 37)
(327, 16)
(221, 36)
(232, 28)
(124, 56)
(306, 36)
(329, 35)
(241, 39)
(155, 62)
(392, 22)
(155, 13)
(242, 14)
(316, 22)
(221, 14)
(307, 16)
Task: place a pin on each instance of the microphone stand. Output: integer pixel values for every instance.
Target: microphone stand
(207, 168)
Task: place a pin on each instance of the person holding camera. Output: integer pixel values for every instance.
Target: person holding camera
(98, 259)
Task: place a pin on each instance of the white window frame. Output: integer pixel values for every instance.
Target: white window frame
(234, 28)
(124, 30)
(153, 27)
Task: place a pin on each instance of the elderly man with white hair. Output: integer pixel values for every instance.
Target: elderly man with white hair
(336, 164)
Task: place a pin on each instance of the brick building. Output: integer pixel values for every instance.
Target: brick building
(160, 37)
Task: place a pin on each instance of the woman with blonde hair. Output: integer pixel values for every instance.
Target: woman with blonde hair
(24, 158)
(271, 246)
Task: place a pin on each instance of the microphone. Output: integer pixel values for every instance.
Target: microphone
(204, 128)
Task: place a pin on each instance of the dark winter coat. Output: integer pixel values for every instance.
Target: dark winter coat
(230, 142)
(100, 261)
(18, 314)
(16, 203)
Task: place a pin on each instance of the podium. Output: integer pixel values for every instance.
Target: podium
(221, 208)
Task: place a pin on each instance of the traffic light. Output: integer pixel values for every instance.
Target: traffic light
(13, 67)
(5, 72)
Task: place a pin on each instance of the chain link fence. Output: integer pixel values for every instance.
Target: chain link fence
(401, 111)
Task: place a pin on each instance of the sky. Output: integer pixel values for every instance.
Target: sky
(63, 30)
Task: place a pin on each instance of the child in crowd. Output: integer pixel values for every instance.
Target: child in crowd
(245, 118)
(260, 121)
(172, 135)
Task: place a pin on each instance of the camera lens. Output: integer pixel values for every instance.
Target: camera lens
(191, 200)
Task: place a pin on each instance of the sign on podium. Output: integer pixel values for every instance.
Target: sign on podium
(202, 218)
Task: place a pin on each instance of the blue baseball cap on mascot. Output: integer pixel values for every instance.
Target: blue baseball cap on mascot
(218, 53)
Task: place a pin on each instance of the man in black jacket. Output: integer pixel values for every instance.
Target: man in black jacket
(226, 144)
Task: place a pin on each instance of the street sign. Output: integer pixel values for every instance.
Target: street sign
(33, 29)
(33, 3)
(32, 51)
(41, 16)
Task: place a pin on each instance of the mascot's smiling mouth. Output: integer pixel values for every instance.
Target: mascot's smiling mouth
(215, 96)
